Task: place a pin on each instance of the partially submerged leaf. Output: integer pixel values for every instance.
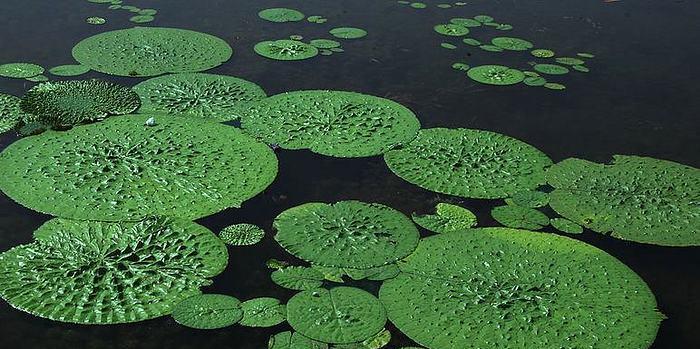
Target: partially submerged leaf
(208, 311)
(447, 218)
(297, 278)
(514, 216)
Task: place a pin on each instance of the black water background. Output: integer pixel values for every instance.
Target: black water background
(640, 98)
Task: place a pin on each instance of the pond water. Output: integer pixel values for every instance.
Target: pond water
(640, 98)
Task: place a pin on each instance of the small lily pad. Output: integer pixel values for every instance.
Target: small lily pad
(208, 311)
(242, 234)
(534, 81)
(20, 70)
(496, 75)
(513, 216)
(554, 86)
(281, 15)
(285, 50)
(471, 42)
(483, 18)
(460, 66)
(569, 61)
(141, 18)
(565, 226)
(69, 70)
(297, 278)
(512, 44)
(95, 20)
(324, 43)
(542, 53)
(580, 68)
(348, 33)
(551, 69)
(451, 29)
(529, 198)
(465, 22)
(447, 218)
(491, 48)
(263, 312)
(448, 46)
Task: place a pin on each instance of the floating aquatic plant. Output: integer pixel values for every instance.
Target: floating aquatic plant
(20, 70)
(199, 95)
(263, 312)
(634, 198)
(451, 29)
(465, 22)
(294, 340)
(297, 278)
(285, 50)
(208, 311)
(150, 51)
(96, 20)
(569, 61)
(141, 18)
(242, 234)
(281, 15)
(496, 75)
(334, 123)
(551, 69)
(69, 70)
(10, 112)
(507, 288)
(512, 44)
(120, 169)
(104, 273)
(513, 216)
(565, 226)
(324, 43)
(447, 218)
(529, 198)
(348, 33)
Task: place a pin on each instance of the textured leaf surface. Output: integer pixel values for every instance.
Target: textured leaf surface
(495, 74)
(294, 340)
(10, 112)
(566, 226)
(529, 198)
(297, 278)
(338, 315)
(243, 234)
(263, 312)
(447, 218)
(513, 44)
(69, 70)
(505, 288)
(285, 50)
(634, 198)
(519, 217)
(150, 51)
(20, 70)
(120, 169)
(103, 273)
(208, 311)
(350, 234)
(469, 163)
(334, 123)
(281, 15)
(207, 96)
(348, 33)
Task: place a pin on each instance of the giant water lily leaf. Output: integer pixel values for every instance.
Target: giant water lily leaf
(469, 163)
(121, 169)
(634, 198)
(208, 311)
(339, 315)
(348, 234)
(334, 123)
(206, 96)
(67, 103)
(150, 51)
(103, 273)
(263, 312)
(447, 218)
(507, 288)
(10, 112)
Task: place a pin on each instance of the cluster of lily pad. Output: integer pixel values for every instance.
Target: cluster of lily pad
(140, 15)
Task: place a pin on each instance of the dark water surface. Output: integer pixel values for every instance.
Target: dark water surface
(641, 98)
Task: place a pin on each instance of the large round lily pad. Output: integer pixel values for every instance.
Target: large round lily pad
(512, 44)
(496, 75)
(20, 70)
(634, 198)
(10, 112)
(208, 311)
(150, 51)
(281, 15)
(207, 96)
(103, 273)
(338, 315)
(507, 288)
(348, 234)
(469, 163)
(334, 123)
(285, 50)
(263, 312)
(121, 169)
(67, 103)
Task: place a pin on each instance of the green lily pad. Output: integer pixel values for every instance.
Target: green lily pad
(348, 33)
(333, 123)
(512, 44)
(324, 43)
(460, 66)
(199, 95)
(120, 169)
(208, 311)
(418, 5)
(551, 69)
(285, 50)
(20, 70)
(281, 15)
(339, 315)
(535, 81)
(496, 75)
(297, 278)
(566, 226)
(471, 42)
(580, 68)
(38, 78)
(148, 12)
(69, 70)
(447, 218)
(634, 198)
(348, 234)
(519, 217)
(294, 340)
(469, 163)
(506, 288)
(142, 18)
(483, 18)
(529, 198)
(95, 20)
(569, 61)
(10, 112)
(242, 234)
(448, 46)
(67, 103)
(465, 22)
(150, 51)
(585, 55)
(491, 48)
(504, 27)
(554, 86)
(451, 29)
(542, 53)
(91, 272)
(263, 312)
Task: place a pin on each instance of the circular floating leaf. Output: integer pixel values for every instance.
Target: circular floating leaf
(580, 68)
(324, 43)
(585, 55)
(281, 15)
(448, 46)
(465, 22)
(529, 198)
(334, 123)
(208, 311)
(469, 163)
(447, 218)
(289, 340)
(67, 103)
(542, 53)
(150, 51)
(104, 273)
(339, 315)
(471, 42)
(506, 288)
(554, 86)
(634, 198)
(551, 69)
(69, 70)
(349, 234)
(285, 50)
(569, 61)
(566, 226)
(348, 33)
(95, 20)
(460, 66)
(120, 169)
(519, 217)
(451, 29)
(512, 44)
(297, 278)
(496, 75)
(142, 19)
(20, 70)
(504, 27)
(199, 95)
(10, 112)
(491, 48)
(263, 312)
(148, 12)
(483, 18)
(38, 78)
(243, 234)
(535, 81)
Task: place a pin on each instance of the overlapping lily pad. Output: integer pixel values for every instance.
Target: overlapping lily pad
(334, 123)
(634, 198)
(263, 312)
(208, 311)
(339, 315)
(69, 70)
(150, 51)
(496, 75)
(20, 70)
(285, 50)
(200, 95)
(294, 340)
(519, 217)
(551, 69)
(506, 288)
(447, 218)
(297, 278)
(242, 234)
(120, 169)
(281, 15)
(10, 112)
(451, 29)
(103, 273)
(349, 234)
(565, 226)
(67, 103)
(512, 44)
(469, 163)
